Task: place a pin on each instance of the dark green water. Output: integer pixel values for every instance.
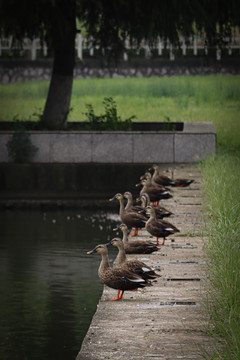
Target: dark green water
(49, 286)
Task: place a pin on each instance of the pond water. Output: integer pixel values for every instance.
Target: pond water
(49, 285)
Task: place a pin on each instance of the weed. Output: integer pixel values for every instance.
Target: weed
(110, 120)
(19, 146)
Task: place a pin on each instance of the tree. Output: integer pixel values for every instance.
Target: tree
(108, 23)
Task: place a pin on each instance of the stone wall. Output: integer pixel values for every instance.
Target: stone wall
(26, 70)
(194, 143)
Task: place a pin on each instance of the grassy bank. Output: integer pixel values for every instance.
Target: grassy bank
(222, 184)
(179, 98)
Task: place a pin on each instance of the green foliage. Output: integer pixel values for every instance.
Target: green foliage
(222, 183)
(19, 146)
(110, 120)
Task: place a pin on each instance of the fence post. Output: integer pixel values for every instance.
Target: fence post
(34, 49)
(79, 46)
(159, 46)
(147, 51)
(125, 54)
(10, 40)
(218, 53)
(195, 45)
(45, 49)
(171, 54)
(184, 47)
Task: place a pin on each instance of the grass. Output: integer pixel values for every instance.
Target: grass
(222, 184)
(179, 98)
(194, 98)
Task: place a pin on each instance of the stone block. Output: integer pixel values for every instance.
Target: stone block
(110, 147)
(193, 147)
(153, 147)
(42, 142)
(70, 147)
(3, 148)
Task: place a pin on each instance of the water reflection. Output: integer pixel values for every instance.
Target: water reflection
(49, 286)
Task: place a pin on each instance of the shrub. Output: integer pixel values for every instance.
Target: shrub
(20, 148)
(110, 120)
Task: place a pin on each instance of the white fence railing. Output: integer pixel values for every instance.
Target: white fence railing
(192, 46)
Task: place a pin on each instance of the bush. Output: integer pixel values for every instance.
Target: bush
(20, 147)
(110, 120)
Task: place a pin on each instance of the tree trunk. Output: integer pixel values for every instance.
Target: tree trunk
(60, 89)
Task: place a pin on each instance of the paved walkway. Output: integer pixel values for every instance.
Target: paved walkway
(164, 321)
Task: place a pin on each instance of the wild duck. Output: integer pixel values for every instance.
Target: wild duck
(135, 246)
(160, 211)
(117, 278)
(157, 227)
(136, 266)
(166, 181)
(129, 206)
(131, 218)
(155, 192)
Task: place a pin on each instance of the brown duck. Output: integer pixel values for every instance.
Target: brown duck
(166, 181)
(130, 206)
(135, 246)
(160, 211)
(117, 278)
(157, 227)
(131, 218)
(155, 192)
(136, 266)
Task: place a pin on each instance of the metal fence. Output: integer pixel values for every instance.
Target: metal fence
(194, 46)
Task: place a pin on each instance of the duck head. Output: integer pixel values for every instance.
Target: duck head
(116, 242)
(127, 195)
(117, 196)
(100, 249)
(122, 227)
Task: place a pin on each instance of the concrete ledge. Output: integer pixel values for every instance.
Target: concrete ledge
(194, 143)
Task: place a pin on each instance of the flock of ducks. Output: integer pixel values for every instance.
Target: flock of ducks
(135, 274)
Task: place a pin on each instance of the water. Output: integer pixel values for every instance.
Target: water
(49, 285)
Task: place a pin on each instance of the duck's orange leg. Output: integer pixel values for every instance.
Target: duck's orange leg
(163, 241)
(157, 243)
(135, 232)
(118, 296)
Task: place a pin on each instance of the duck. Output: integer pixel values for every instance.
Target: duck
(131, 218)
(166, 181)
(159, 228)
(160, 211)
(136, 266)
(155, 192)
(129, 206)
(117, 278)
(135, 246)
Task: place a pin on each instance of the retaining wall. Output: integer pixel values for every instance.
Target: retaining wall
(194, 143)
(23, 70)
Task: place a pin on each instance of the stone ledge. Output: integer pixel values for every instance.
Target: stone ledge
(194, 143)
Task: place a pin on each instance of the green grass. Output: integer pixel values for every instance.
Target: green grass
(179, 98)
(222, 184)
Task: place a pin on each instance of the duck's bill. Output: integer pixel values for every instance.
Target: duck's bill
(91, 252)
(116, 229)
